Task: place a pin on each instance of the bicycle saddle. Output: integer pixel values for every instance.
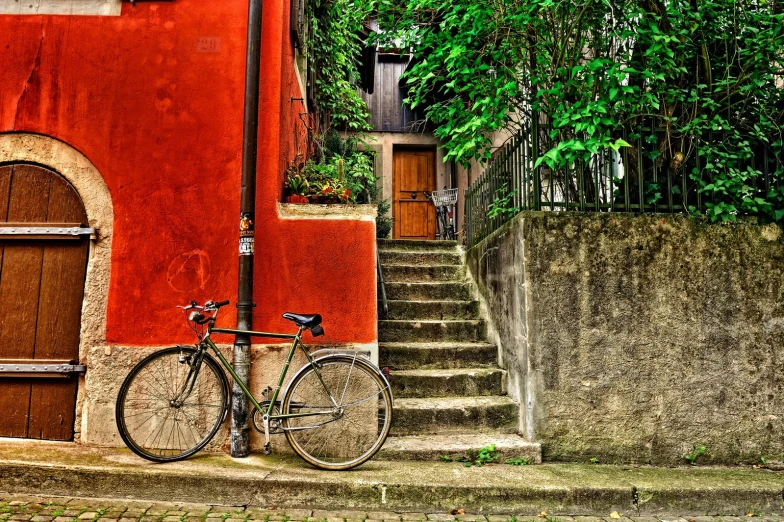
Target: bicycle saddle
(308, 321)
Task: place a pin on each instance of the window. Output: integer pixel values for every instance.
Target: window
(61, 7)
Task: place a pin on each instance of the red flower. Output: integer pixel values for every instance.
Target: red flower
(326, 190)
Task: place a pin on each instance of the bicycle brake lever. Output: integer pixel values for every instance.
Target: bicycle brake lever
(191, 306)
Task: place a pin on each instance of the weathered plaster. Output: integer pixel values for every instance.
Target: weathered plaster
(88, 182)
(631, 338)
(315, 211)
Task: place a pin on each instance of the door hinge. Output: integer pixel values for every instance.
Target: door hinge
(39, 368)
(43, 231)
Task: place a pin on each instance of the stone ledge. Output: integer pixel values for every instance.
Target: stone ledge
(32, 467)
(314, 211)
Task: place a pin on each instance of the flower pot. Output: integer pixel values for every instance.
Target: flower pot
(296, 198)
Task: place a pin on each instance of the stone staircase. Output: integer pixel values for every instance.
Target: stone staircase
(450, 395)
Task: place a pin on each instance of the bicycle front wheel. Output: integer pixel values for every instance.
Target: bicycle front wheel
(348, 408)
(168, 407)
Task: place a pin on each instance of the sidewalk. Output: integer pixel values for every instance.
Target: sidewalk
(64, 469)
(26, 508)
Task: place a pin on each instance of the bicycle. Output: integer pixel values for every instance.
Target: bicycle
(444, 201)
(335, 412)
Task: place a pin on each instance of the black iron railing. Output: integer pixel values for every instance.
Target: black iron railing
(382, 287)
(653, 174)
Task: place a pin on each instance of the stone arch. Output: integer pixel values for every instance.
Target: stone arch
(91, 187)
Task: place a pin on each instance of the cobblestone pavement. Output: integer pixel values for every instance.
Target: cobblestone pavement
(25, 508)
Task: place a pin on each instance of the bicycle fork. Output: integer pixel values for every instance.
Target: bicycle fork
(190, 380)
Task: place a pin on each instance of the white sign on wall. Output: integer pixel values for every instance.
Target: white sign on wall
(61, 7)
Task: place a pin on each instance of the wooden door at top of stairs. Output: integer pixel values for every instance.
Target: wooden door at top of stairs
(41, 292)
(414, 174)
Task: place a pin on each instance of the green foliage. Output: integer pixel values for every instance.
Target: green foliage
(704, 74)
(334, 47)
(696, 451)
(342, 166)
(298, 184)
(332, 166)
(502, 204)
(593, 460)
(486, 455)
(383, 220)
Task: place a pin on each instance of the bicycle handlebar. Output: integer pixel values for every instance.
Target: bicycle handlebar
(208, 306)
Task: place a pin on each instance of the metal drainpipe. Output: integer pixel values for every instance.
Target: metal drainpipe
(240, 427)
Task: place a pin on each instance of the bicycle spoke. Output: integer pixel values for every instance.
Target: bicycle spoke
(348, 379)
(347, 434)
(156, 426)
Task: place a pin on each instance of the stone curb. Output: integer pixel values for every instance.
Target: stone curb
(422, 487)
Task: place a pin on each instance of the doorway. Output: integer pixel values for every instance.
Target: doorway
(414, 176)
(42, 276)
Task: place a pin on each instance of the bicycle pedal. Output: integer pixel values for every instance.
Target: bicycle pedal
(267, 449)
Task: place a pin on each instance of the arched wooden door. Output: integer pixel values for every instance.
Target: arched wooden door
(42, 276)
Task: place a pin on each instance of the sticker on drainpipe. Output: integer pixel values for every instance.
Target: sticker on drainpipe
(246, 234)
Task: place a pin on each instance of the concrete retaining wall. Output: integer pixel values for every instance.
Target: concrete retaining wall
(632, 338)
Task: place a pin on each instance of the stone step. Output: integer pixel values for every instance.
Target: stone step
(423, 273)
(433, 310)
(431, 331)
(455, 445)
(429, 291)
(405, 356)
(454, 415)
(407, 257)
(65, 469)
(407, 244)
(462, 382)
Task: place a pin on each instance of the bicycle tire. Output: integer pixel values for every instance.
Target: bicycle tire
(349, 438)
(440, 224)
(146, 395)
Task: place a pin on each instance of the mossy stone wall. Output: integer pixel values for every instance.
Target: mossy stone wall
(630, 338)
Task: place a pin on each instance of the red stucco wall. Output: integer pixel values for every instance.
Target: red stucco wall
(162, 122)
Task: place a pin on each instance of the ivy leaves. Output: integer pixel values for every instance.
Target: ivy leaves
(334, 47)
(705, 75)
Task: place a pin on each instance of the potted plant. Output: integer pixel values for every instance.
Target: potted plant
(298, 188)
(339, 174)
(333, 191)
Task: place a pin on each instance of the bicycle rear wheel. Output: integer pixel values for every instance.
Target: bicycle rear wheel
(167, 411)
(346, 435)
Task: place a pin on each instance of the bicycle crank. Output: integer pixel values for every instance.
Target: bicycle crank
(257, 418)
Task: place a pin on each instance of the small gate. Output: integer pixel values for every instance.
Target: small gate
(44, 245)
